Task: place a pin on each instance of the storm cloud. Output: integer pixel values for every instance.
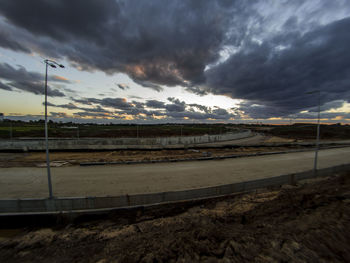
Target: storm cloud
(7, 42)
(23, 80)
(318, 60)
(160, 42)
(266, 53)
(155, 104)
(175, 109)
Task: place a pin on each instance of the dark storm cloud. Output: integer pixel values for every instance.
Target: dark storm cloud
(23, 80)
(5, 87)
(268, 53)
(197, 90)
(62, 20)
(278, 79)
(10, 73)
(148, 84)
(36, 88)
(328, 106)
(81, 101)
(7, 42)
(155, 104)
(176, 105)
(116, 103)
(69, 106)
(198, 115)
(220, 112)
(258, 111)
(175, 110)
(200, 107)
(155, 42)
(326, 115)
(97, 109)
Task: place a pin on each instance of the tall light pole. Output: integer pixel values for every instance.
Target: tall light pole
(52, 64)
(318, 127)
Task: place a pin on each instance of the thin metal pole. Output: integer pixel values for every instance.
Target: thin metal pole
(11, 131)
(47, 140)
(181, 133)
(318, 132)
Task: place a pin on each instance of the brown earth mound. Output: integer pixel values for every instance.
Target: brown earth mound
(305, 223)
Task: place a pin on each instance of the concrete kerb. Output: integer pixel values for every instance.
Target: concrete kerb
(90, 204)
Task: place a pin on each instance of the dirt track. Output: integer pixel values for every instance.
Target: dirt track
(306, 223)
(38, 159)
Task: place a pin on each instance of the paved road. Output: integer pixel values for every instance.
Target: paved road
(146, 178)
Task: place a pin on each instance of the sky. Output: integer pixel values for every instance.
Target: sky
(176, 61)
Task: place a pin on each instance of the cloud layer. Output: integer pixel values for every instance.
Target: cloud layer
(22, 80)
(120, 108)
(266, 53)
(279, 79)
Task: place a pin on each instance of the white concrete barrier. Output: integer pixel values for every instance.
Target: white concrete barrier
(118, 143)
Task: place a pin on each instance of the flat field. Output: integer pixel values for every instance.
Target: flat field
(72, 130)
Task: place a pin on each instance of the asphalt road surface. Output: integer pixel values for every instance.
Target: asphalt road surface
(27, 182)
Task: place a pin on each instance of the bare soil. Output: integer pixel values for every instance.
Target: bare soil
(38, 159)
(309, 222)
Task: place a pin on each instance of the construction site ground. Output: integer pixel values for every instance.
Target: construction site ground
(308, 222)
(241, 147)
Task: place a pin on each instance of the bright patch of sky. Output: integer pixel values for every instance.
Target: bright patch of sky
(95, 84)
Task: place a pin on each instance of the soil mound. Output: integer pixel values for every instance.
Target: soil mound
(305, 223)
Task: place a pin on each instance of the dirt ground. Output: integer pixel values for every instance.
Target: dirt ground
(309, 222)
(38, 159)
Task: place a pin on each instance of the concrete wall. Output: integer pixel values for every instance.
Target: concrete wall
(118, 143)
(85, 203)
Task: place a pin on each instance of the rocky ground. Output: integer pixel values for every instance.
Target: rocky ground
(309, 222)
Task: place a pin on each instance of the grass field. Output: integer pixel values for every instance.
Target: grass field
(22, 129)
(308, 131)
(303, 131)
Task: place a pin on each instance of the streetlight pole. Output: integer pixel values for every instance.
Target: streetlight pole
(318, 127)
(52, 64)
